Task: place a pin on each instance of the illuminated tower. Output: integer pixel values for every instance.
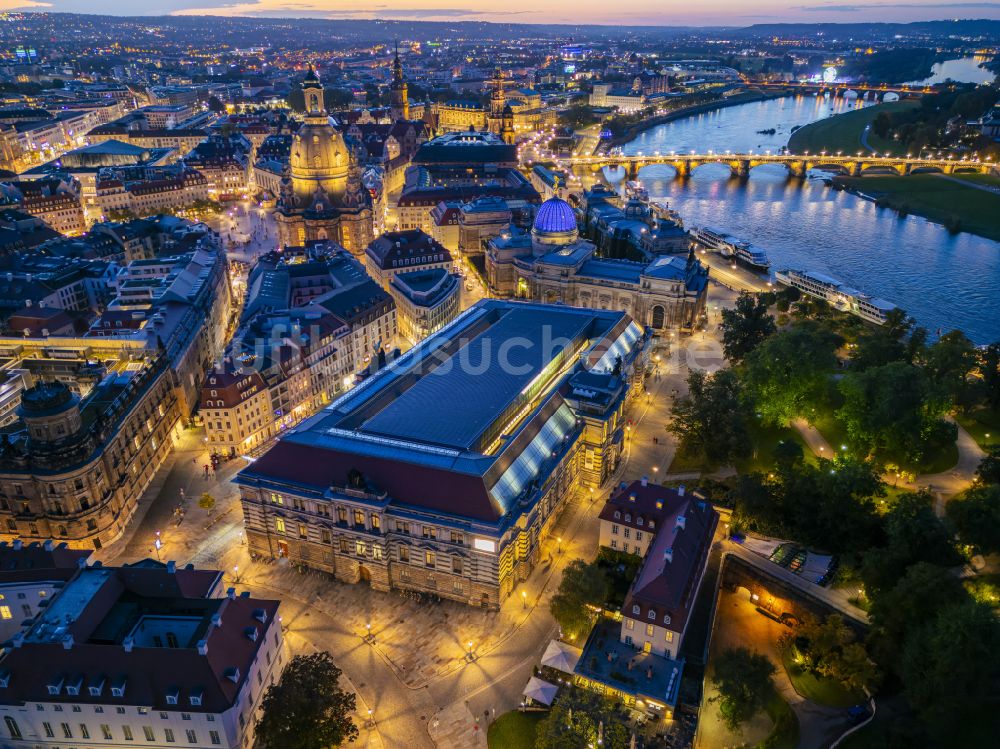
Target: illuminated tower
(399, 99)
(498, 103)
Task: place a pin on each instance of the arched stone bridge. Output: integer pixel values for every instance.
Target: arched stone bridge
(797, 164)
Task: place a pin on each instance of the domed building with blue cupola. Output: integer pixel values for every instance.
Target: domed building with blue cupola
(552, 264)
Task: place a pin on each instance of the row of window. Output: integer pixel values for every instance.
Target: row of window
(84, 732)
(650, 631)
(627, 532)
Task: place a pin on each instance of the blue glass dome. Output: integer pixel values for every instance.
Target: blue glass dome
(555, 215)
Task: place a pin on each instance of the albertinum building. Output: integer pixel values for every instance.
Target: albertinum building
(445, 471)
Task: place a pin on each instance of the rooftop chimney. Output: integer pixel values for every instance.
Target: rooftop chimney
(645, 480)
(217, 619)
(171, 566)
(202, 647)
(681, 521)
(668, 555)
(128, 643)
(48, 545)
(231, 593)
(680, 491)
(67, 642)
(18, 544)
(81, 562)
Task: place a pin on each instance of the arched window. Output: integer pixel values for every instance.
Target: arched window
(12, 728)
(659, 316)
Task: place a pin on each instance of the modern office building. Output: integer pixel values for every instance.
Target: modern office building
(445, 471)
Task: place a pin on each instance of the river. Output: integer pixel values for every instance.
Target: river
(962, 70)
(945, 281)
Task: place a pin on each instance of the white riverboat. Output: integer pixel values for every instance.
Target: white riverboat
(834, 292)
(731, 247)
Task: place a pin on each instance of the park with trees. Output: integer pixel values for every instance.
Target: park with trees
(887, 399)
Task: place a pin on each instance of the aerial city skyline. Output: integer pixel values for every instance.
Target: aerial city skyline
(481, 377)
(642, 12)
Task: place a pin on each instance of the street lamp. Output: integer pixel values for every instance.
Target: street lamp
(560, 544)
(524, 599)
(369, 637)
(157, 543)
(236, 572)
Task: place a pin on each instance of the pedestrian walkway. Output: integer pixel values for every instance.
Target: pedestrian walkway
(455, 727)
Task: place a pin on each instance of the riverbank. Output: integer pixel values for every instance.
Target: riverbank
(746, 97)
(848, 132)
(960, 202)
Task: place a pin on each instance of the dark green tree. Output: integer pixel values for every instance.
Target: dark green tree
(905, 603)
(989, 468)
(913, 533)
(892, 411)
(976, 517)
(583, 586)
(788, 373)
(989, 369)
(307, 709)
(743, 679)
(949, 663)
(745, 326)
(948, 363)
(711, 420)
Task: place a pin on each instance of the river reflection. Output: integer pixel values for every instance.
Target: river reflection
(945, 281)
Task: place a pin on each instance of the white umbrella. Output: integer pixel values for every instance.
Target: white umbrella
(541, 691)
(560, 656)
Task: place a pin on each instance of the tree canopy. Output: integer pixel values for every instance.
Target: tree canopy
(893, 411)
(745, 326)
(711, 421)
(307, 708)
(743, 679)
(582, 585)
(976, 517)
(789, 372)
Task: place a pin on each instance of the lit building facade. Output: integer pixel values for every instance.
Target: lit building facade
(435, 477)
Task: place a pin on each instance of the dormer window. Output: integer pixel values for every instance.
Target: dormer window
(4, 678)
(666, 618)
(118, 688)
(618, 515)
(172, 695)
(651, 614)
(73, 687)
(628, 518)
(96, 686)
(233, 674)
(196, 697)
(55, 686)
(636, 609)
(652, 524)
(639, 521)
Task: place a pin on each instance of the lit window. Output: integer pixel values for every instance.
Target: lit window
(5, 612)
(279, 525)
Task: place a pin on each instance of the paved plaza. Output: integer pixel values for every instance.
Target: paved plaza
(414, 673)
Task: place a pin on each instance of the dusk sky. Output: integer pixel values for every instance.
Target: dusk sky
(658, 12)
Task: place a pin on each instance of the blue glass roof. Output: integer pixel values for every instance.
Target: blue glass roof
(555, 215)
(454, 403)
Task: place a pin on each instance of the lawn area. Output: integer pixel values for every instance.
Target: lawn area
(785, 732)
(940, 460)
(843, 132)
(514, 730)
(764, 440)
(826, 421)
(956, 203)
(983, 425)
(818, 689)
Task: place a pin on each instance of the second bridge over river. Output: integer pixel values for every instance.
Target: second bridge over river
(798, 165)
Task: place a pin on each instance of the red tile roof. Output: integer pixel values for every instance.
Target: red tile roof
(435, 489)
